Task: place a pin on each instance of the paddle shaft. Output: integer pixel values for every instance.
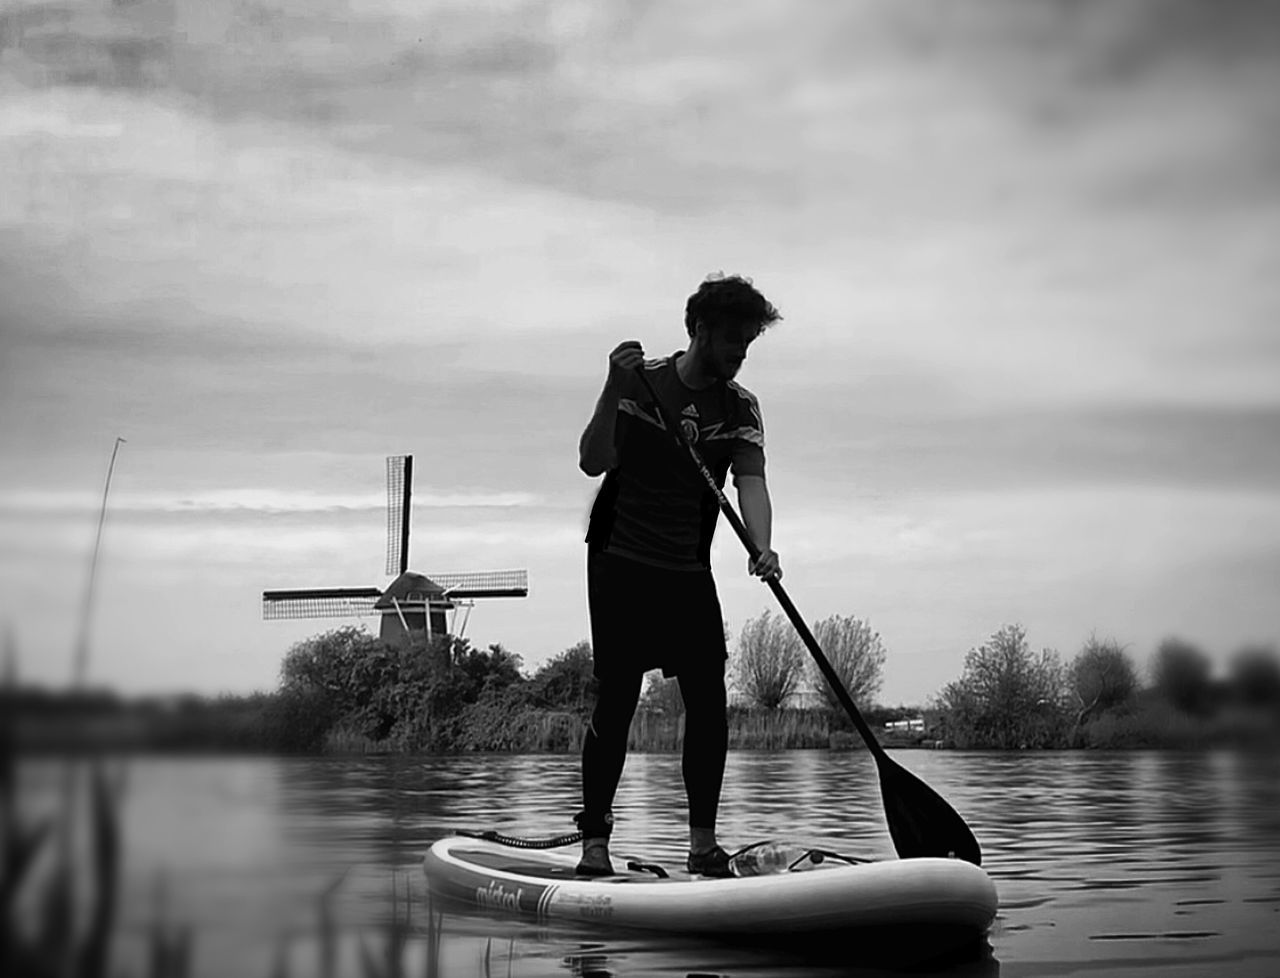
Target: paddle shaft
(824, 666)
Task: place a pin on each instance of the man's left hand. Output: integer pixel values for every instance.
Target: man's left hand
(766, 567)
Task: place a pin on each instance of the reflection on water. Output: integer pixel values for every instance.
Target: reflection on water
(1134, 864)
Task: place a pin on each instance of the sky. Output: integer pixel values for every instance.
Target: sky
(1026, 253)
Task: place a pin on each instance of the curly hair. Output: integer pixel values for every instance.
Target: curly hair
(728, 300)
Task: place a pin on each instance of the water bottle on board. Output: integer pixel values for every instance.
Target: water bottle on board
(768, 858)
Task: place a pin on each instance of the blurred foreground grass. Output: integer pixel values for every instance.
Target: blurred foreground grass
(59, 900)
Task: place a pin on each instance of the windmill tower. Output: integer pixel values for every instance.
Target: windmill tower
(413, 607)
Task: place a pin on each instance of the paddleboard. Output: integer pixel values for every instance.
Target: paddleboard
(820, 895)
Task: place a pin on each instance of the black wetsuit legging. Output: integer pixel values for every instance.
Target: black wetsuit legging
(706, 741)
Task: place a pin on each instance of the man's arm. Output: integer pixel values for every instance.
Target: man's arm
(757, 515)
(597, 451)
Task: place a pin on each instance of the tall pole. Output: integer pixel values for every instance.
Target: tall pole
(82, 641)
(70, 792)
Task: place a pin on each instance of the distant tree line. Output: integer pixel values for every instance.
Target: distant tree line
(1009, 696)
(1012, 697)
(346, 690)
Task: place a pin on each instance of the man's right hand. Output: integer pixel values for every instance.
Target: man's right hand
(625, 358)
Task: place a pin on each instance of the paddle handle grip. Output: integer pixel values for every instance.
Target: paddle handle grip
(811, 643)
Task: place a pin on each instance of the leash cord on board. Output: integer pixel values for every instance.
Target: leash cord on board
(555, 842)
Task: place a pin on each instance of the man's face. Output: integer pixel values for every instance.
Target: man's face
(727, 348)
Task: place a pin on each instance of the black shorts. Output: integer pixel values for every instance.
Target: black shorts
(645, 617)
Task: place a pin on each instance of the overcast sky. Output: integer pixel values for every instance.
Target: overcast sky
(1027, 252)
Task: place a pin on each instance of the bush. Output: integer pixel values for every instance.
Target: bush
(1255, 678)
(297, 720)
(1151, 724)
(661, 695)
(565, 682)
(1101, 678)
(1181, 674)
(856, 654)
(768, 662)
(1007, 697)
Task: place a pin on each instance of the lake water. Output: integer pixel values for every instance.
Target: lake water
(1129, 864)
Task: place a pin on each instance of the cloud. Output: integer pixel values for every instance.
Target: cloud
(878, 451)
(685, 109)
(925, 214)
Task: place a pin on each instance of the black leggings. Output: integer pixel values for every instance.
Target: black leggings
(706, 742)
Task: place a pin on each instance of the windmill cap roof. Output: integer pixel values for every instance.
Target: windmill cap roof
(410, 587)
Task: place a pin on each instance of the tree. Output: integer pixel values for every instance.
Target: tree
(413, 695)
(1181, 673)
(343, 673)
(1255, 677)
(326, 661)
(493, 669)
(564, 681)
(1007, 696)
(1101, 677)
(297, 719)
(857, 655)
(768, 664)
(662, 695)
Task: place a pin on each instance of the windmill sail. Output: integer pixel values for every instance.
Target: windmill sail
(320, 602)
(399, 508)
(484, 584)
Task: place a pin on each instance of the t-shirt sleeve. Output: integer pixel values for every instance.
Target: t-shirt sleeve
(748, 442)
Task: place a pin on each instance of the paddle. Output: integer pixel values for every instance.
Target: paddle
(921, 823)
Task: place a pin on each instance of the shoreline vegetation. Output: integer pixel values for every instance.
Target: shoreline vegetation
(346, 692)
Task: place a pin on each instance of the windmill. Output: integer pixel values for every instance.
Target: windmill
(412, 607)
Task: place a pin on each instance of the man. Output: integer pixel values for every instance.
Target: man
(650, 592)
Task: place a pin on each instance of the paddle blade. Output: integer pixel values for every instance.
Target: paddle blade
(921, 822)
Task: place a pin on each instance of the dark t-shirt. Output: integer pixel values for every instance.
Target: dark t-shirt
(654, 506)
